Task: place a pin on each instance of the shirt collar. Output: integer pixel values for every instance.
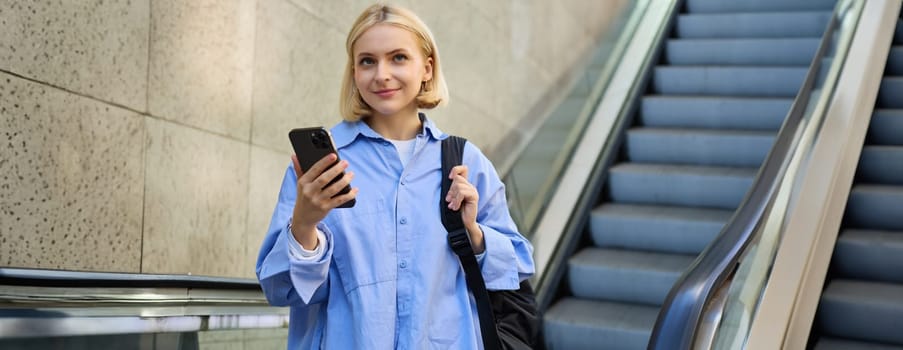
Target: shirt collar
(347, 132)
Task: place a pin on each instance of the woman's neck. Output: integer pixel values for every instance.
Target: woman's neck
(401, 126)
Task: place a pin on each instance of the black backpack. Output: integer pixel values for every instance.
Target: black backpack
(508, 319)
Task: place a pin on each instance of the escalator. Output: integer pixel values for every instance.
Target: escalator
(715, 101)
(861, 306)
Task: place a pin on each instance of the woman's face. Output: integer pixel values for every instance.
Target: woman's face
(389, 69)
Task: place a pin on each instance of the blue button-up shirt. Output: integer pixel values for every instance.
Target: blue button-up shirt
(388, 278)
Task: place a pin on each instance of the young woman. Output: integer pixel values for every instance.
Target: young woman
(381, 275)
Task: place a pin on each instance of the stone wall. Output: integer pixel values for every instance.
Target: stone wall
(150, 136)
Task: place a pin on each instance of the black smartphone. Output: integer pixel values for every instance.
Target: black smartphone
(311, 145)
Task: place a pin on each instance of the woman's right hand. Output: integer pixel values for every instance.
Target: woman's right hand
(315, 200)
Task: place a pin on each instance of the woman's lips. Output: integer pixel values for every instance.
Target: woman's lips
(386, 93)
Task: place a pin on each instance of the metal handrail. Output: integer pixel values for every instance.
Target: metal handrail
(39, 303)
(678, 322)
(59, 278)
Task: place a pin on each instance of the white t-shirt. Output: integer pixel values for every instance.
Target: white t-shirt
(405, 150)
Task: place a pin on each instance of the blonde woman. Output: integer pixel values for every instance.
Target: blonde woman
(380, 275)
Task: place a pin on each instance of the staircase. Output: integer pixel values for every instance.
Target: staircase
(862, 305)
(727, 78)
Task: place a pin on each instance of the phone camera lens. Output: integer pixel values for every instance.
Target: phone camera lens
(319, 140)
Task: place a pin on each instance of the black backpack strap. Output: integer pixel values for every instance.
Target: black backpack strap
(452, 156)
(459, 241)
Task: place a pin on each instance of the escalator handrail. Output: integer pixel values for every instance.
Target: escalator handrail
(58, 278)
(681, 313)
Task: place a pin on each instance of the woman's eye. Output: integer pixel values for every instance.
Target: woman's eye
(400, 58)
(366, 61)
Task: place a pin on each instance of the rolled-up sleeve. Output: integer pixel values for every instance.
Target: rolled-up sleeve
(508, 256)
(309, 275)
(286, 282)
(299, 252)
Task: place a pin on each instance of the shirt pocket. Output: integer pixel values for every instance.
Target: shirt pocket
(446, 314)
(364, 250)
(444, 330)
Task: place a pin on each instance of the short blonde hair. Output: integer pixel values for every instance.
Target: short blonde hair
(434, 93)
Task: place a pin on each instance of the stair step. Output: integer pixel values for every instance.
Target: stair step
(759, 52)
(886, 127)
(625, 276)
(699, 146)
(889, 96)
(680, 185)
(895, 61)
(843, 344)
(870, 311)
(869, 255)
(584, 324)
(656, 228)
(881, 165)
(753, 25)
(743, 113)
(875, 207)
(715, 6)
(729, 81)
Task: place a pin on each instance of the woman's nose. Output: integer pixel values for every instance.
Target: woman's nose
(382, 71)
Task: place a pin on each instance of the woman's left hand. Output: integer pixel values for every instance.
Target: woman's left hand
(464, 197)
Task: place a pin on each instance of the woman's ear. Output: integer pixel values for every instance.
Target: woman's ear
(428, 69)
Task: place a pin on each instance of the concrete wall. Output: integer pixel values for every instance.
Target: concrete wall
(150, 135)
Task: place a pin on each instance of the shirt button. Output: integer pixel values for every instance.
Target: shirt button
(403, 221)
(403, 264)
